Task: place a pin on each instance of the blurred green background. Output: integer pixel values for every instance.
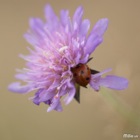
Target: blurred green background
(105, 115)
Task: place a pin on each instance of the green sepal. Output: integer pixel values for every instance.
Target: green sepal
(89, 59)
(94, 71)
(77, 94)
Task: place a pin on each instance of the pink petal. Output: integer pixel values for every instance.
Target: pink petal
(95, 85)
(21, 76)
(59, 107)
(64, 16)
(100, 27)
(51, 17)
(101, 73)
(77, 18)
(114, 82)
(110, 81)
(46, 95)
(92, 42)
(71, 93)
(49, 13)
(95, 38)
(54, 104)
(37, 25)
(95, 79)
(16, 87)
(84, 28)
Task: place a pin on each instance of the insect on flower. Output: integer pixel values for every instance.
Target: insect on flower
(57, 63)
(81, 74)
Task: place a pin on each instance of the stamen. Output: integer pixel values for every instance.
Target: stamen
(63, 48)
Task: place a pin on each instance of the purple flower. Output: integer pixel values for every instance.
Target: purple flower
(57, 63)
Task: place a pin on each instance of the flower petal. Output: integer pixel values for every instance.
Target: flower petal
(55, 102)
(114, 82)
(84, 59)
(47, 95)
(110, 81)
(36, 98)
(21, 76)
(49, 13)
(95, 79)
(59, 107)
(37, 27)
(84, 28)
(77, 18)
(51, 17)
(92, 42)
(100, 27)
(65, 21)
(101, 73)
(95, 85)
(64, 16)
(71, 93)
(95, 38)
(16, 87)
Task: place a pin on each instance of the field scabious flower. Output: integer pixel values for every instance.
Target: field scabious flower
(61, 50)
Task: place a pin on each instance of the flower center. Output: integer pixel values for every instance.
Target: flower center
(81, 74)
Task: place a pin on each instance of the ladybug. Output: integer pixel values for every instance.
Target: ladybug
(81, 74)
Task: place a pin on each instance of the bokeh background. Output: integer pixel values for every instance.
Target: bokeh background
(104, 115)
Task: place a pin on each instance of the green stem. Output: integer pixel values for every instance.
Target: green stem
(121, 107)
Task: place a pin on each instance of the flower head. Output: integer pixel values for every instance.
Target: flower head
(57, 63)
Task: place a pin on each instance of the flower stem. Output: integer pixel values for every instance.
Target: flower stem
(121, 107)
